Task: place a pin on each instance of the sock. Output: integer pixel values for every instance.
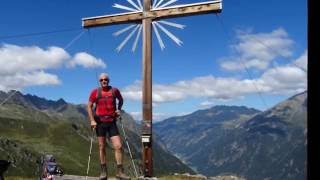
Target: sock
(120, 167)
(103, 166)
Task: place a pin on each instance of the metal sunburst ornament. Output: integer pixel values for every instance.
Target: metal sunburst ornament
(156, 25)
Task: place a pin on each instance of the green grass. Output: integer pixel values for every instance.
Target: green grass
(66, 143)
(26, 130)
(19, 178)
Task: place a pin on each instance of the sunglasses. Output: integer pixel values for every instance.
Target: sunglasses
(103, 80)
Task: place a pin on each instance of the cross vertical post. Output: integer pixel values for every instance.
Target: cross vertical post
(146, 137)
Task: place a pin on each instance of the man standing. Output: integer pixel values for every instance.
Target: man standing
(103, 120)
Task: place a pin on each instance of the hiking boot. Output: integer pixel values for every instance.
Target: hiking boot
(120, 173)
(103, 173)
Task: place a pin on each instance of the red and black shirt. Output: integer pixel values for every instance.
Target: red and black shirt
(106, 104)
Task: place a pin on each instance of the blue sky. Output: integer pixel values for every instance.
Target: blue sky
(254, 53)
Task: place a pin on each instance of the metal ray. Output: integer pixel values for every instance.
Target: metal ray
(173, 37)
(158, 3)
(127, 38)
(154, 3)
(167, 3)
(134, 5)
(123, 30)
(140, 5)
(124, 7)
(158, 36)
(180, 26)
(134, 46)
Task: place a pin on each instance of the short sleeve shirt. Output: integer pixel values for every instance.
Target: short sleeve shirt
(101, 110)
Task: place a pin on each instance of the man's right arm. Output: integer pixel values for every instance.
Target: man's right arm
(90, 114)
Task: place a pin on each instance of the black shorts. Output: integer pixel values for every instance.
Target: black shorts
(107, 127)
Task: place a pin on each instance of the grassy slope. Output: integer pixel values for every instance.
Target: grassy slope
(59, 138)
(23, 129)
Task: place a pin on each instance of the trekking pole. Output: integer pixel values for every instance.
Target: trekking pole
(90, 153)
(125, 138)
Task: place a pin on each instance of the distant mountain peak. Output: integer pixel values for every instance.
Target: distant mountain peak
(61, 101)
(233, 107)
(32, 101)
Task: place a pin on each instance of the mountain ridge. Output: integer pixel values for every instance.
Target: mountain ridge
(221, 144)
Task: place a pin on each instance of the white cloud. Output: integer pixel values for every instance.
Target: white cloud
(23, 66)
(285, 79)
(206, 86)
(302, 61)
(25, 79)
(15, 59)
(133, 91)
(258, 50)
(137, 115)
(86, 60)
(206, 104)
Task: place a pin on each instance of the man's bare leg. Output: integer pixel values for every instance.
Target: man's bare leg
(102, 153)
(116, 142)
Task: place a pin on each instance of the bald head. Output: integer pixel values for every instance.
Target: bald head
(104, 80)
(104, 76)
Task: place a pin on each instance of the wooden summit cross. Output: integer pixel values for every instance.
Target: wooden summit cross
(147, 16)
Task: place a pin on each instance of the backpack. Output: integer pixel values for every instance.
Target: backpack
(49, 166)
(50, 163)
(109, 102)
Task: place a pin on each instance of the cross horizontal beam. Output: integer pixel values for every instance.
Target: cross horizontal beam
(157, 13)
(112, 19)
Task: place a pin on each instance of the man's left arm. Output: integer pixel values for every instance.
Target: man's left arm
(120, 99)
